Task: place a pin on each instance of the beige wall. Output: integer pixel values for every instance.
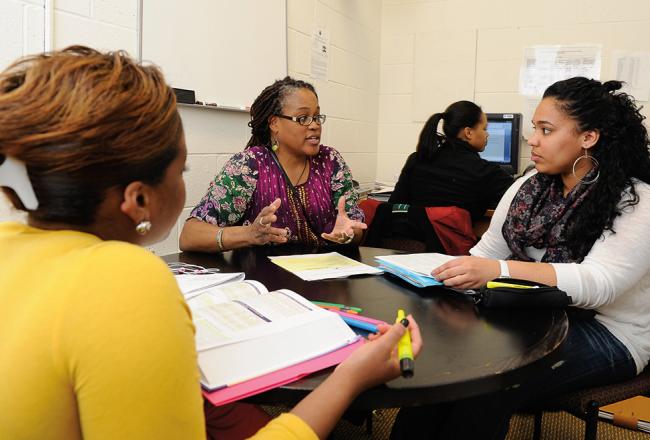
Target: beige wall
(439, 51)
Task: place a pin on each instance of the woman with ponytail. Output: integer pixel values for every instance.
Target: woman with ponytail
(579, 223)
(446, 170)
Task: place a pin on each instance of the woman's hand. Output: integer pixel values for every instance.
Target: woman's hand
(261, 232)
(343, 231)
(376, 362)
(372, 364)
(467, 272)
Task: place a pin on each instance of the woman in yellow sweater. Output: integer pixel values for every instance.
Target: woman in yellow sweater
(97, 341)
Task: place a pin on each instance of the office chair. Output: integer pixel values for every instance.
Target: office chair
(584, 404)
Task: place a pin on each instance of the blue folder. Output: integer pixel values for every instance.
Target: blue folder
(414, 278)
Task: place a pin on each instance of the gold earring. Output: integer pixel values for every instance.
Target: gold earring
(143, 227)
(274, 145)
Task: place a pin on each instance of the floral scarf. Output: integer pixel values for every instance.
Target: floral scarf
(540, 216)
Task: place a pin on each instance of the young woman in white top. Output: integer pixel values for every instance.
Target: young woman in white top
(579, 222)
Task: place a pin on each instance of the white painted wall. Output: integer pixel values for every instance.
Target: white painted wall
(434, 52)
(22, 29)
(349, 97)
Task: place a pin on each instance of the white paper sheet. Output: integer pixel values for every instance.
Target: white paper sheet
(320, 48)
(313, 267)
(634, 69)
(544, 65)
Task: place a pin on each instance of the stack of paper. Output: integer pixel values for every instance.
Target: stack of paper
(382, 191)
(312, 267)
(414, 268)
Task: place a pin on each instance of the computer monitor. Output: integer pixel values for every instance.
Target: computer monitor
(503, 143)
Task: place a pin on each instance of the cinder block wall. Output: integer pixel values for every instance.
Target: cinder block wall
(435, 52)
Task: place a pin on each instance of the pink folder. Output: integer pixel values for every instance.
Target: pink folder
(280, 377)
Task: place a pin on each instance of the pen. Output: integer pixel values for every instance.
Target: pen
(359, 324)
(495, 284)
(339, 306)
(404, 349)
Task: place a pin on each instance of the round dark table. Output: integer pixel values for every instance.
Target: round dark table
(467, 351)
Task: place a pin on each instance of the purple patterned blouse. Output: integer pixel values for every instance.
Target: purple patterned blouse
(251, 180)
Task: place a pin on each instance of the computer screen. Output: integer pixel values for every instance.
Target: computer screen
(503, 143)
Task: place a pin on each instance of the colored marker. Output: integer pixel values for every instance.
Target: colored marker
(496, 284)
(340, 306)
(360, 324)
(404, 349)
(338, 309)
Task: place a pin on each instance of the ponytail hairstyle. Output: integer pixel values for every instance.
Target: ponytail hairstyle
(456, 117)
(270, 103)
(621, 151)
(84, 122)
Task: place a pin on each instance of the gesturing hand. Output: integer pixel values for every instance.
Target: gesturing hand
(261, 231)
(343, 231)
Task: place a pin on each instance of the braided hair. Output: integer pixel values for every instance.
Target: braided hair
(621, 150)
(269, 103)
(457, 116)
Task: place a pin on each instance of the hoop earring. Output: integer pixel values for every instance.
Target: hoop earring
(143, 227)
(595, 164)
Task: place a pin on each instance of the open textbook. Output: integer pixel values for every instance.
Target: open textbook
(243, 331)
(414, 268)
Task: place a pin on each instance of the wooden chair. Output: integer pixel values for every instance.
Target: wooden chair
(585, 403)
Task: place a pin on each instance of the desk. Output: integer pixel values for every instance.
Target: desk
(466, 352)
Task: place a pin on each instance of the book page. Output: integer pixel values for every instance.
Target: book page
(240, 311)
(194, 284)
(219, 315)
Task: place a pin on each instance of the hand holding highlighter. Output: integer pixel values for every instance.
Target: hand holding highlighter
(404, 349)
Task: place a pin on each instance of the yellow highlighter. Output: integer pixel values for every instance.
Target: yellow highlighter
(496, 284)
(404, 349)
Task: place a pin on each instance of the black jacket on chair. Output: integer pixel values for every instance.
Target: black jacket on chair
(456, 176)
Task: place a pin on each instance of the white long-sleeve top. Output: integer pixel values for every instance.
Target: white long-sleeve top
(614, 277)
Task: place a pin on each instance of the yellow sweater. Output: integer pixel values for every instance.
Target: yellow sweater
(96, 342)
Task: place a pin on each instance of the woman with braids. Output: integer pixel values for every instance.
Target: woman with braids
(284, 187)
(447, 170)
(97, 341)
(580, 222)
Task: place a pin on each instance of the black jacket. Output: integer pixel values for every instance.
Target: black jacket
(456, 176)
